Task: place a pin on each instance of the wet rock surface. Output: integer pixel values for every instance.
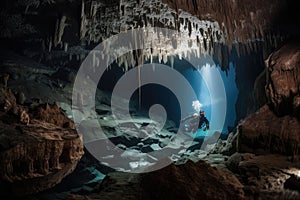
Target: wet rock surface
(265, 176)
(283, 79)
(264, 132)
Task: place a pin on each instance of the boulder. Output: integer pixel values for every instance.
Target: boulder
(268, 177)
(234, 161)
(187, 181)
(226, 147)
(264, 132)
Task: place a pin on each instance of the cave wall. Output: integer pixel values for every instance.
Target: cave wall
(275, 127)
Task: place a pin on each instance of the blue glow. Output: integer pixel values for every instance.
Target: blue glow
(205, 99)
(232, 95)
(155, 94)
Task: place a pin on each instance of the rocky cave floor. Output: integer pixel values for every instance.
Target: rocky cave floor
(242, 175)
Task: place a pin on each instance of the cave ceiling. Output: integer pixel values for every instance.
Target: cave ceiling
(44, 29)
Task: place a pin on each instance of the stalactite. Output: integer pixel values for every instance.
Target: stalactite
(165, 58)
(237, 48)
(160, 57)
(79, 103)
(50, 45)
(140, 87)
(172, 61)
(180, 55)
(220, 55)
(30, 166)
(65, 47)
(205, 44)
(132, 60)
(186, 23)
(59, 30)
(126, 65)
(151, 58)
(83, 22)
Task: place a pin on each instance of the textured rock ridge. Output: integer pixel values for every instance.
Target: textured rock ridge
(37, 155)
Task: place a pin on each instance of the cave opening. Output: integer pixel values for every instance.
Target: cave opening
(152, 94)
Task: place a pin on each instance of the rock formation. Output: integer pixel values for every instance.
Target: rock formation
(8, 100)
(188, 181)
(269, 176)
(52, 114)
(264, 132)
(35, 155)
(275, 127)
(213, 26)
(283, 79)
(242, 20)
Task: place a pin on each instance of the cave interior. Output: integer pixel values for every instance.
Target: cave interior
(102, 99)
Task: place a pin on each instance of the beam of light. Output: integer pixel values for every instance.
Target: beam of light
(217, 109)
(232, 92)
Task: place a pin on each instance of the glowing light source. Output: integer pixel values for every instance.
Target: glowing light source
(197, 105)
(215, 85)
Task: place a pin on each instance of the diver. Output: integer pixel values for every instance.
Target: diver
(197, 122)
